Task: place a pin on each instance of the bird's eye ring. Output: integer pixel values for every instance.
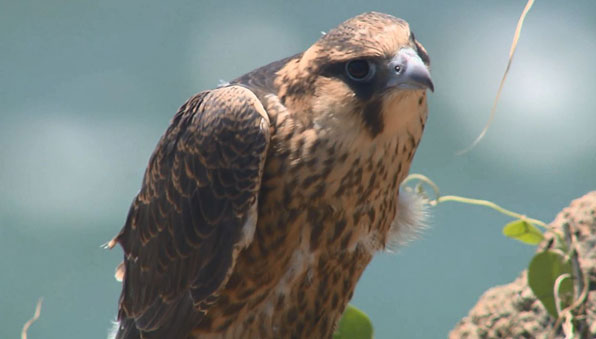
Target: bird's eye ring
(360, 70)
(397, 69)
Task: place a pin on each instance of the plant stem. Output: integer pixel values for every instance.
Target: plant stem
(490, 204)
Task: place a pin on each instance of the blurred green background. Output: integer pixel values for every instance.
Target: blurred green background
(88, 87)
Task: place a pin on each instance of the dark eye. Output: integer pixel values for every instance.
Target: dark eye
(360, 70)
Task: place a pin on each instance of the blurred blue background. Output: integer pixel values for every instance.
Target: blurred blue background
(88, 87)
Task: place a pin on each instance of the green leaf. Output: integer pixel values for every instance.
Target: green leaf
(523, 231)
(354, 324)
(543, 271)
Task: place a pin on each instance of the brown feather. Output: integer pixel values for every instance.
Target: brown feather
(191, 216)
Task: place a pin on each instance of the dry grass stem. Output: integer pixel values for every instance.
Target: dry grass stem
(520, 23)
(32, 320)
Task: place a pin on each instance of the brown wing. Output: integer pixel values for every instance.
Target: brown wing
(195, 211)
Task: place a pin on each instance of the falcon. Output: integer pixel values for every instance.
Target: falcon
(266, 198)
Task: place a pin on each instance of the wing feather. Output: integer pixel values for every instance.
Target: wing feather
(196, 210)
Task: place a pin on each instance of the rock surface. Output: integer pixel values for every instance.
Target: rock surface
(512, 311)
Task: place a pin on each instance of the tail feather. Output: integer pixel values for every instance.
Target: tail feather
(176, 322)
(125, 329)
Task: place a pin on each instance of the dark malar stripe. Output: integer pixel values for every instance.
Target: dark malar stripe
(373, 117)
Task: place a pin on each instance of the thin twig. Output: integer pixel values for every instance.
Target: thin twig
(32, 320)
(575, 266)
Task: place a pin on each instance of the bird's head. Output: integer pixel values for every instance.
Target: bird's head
(368, 74)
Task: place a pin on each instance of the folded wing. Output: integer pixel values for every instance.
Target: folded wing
(196, 210)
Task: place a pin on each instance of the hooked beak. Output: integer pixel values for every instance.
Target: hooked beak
(408, 71)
